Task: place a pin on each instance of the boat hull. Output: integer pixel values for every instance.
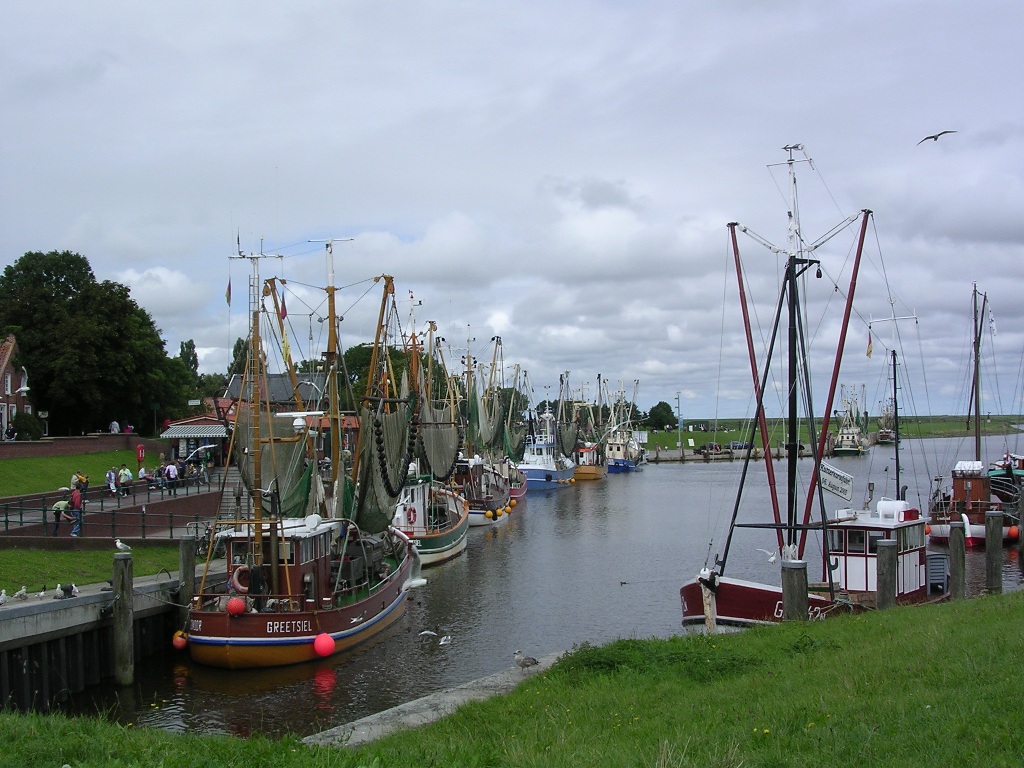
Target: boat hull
(622, 466)
(273, 639)
(439, 547)
(974, 534)
(547, 478)
(590, 471)
(744, 603)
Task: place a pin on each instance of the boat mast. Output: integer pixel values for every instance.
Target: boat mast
(896, 424)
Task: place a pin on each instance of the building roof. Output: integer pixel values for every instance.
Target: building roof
(195, 426)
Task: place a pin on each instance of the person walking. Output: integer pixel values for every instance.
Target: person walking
(171, 473)
(124, 479)
(76, 512)
(111, 480)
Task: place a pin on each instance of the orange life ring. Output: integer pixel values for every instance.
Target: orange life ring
(236, 579)
(411, 515)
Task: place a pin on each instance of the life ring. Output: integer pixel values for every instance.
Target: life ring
(236, 579)
(410, 514)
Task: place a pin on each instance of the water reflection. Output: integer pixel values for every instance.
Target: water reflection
(591, 563)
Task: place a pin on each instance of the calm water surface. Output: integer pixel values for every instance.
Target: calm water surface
(586, 564)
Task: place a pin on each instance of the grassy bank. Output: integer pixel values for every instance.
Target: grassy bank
(35, 568)
(46, 474)
(933, 686)
(726, 430)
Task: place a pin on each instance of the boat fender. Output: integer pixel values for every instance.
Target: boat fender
(236, 579)
(411, 514)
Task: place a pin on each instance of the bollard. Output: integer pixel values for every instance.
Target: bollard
(885, 596)
(186, 575)
(795, 603)
(994, 552)
(124, 620)
(957, 562)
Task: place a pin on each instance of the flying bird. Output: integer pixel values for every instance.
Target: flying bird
(21, 594)
(428, 633)
(771, 555)
(122, 546)
(445, 640)
(523, 662)
(935, 137)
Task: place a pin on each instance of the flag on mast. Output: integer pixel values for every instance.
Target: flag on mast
(870, 345)
(284, 309)
(991, 321)
(227, 293)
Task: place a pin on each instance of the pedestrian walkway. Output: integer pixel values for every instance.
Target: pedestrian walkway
(425, 710)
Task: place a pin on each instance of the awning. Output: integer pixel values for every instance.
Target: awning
(180, 431)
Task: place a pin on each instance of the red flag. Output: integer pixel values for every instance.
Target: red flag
(227, 293)
(284, 309)
(870, 345)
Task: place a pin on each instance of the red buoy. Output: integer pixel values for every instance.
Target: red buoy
(323, 644)
(179, 641)
(236, 606)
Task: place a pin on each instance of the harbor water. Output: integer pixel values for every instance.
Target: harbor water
(589, 563)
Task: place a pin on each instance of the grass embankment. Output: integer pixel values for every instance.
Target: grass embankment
(45, 474)
(726, 430)
(933, 686)
(36, 568)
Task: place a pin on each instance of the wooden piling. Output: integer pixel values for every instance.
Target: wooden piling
(124, 620)
(994, 552)
(187, 572)
(957, 562)
(886, 561)
(795, 602)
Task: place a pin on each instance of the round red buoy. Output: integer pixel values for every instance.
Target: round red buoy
(236, 606)
(927, 530)
(179, 641)
(1013, 533)
(323, 644)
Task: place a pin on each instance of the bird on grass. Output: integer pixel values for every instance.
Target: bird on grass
(21, 594)
(122, 546)
(934, 137)
(524, 662)
(771, 555)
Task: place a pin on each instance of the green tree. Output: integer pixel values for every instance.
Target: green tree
(661, 417)
(94, 354)
(238, 353)
(187, 354)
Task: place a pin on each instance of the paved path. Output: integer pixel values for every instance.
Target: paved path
(428, 709)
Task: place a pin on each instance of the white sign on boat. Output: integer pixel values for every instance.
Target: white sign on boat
(837, 482)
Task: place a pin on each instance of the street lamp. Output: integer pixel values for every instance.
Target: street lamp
(679, 429)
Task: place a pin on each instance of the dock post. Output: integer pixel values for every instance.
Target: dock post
(186, 576)
(957, 562)
(124, 620)
(994, 551)
(795, 603)
(887, 565)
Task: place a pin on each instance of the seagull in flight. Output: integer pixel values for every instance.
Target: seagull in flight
(935, 137)
(445, 640)
(122, 546)
(523, 661)
(771, 555)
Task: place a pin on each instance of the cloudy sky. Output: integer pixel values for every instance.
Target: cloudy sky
(560, 173)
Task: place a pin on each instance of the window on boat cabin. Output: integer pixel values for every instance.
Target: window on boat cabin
(910, 538)
(873, 538)
(836, 540)
(287, 553)
(855, 542)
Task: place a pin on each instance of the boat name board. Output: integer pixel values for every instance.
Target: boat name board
(289, 627)
(836, 481)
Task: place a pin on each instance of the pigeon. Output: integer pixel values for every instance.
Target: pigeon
(524, 662)
(122, 546)
(935, 137)
(771, 555)
(3, 596)
(21, 594)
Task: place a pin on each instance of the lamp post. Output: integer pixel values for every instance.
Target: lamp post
(679, 429)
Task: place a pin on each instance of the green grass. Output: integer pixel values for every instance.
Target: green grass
(739, 429)
(35, 568)
(924, 686)
(19, 477)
